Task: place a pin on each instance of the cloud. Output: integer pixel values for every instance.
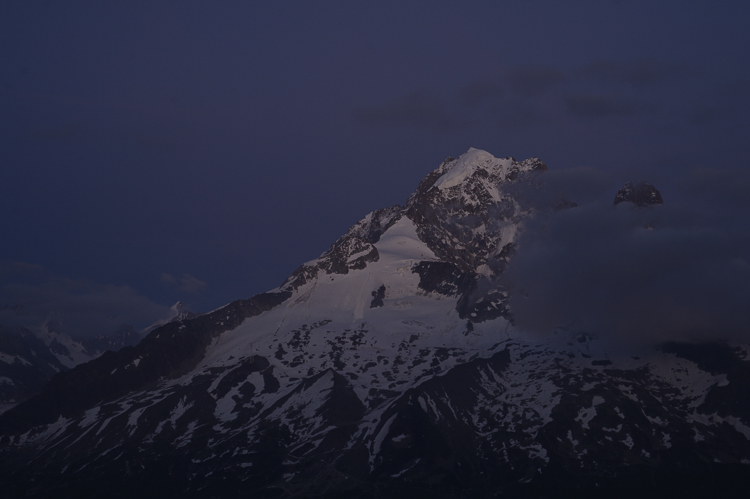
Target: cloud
(420, 108)
(186, 283)
(479, 92)
(165, 278)
(546, 193)
(30, 294)
(599, 106)
(526, 94)
(518, 81)
(506, 100)
(722, 192)
(190, 284)
(532, 81)
(680, 271)
(639, 73)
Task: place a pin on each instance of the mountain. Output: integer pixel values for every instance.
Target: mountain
(26, 365)
(391, 366)
(177, 312)
(36, 348)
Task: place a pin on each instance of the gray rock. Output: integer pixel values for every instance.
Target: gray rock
(641, 194)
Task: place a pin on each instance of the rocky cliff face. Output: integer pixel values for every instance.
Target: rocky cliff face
(390, 366)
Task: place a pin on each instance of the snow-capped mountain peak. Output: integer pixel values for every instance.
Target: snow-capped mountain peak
(388, 365)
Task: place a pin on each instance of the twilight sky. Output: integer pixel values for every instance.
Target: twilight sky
(161, 151)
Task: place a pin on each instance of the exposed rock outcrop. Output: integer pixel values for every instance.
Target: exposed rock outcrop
(642, 194)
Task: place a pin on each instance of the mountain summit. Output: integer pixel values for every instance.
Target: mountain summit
(390, 365)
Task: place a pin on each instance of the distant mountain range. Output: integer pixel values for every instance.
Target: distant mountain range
(390, 366)
(30, 354)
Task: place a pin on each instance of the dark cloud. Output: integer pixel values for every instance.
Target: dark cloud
(513, 114)
(679, 271)
(506, 101)
(524, 95)
(186, 283)
(521, 81)
(532, 81)
(599, 106)
(639, 73)
(421, 108)
(480, 92)
(29, 294)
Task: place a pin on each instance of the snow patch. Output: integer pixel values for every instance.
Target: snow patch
(12, 359)
(89, 417)
(464, 167)
(585, 415)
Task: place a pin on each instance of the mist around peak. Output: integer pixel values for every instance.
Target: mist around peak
(673, 272)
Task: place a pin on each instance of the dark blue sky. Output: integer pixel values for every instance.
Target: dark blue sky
(202, 151)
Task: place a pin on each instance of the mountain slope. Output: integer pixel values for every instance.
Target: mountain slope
(32, 353)
(390, 365)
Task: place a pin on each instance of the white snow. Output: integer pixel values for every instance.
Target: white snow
(77, 353)
(8, 359)
(89, 417)
(186, 437)
(179, 410)
(572, 440)
(380, 437)
(628, 441)
(585, 415)
(6, 406)
(134, 416)
(12, 359)
(466, 165)
(406, 469)
(665, 440)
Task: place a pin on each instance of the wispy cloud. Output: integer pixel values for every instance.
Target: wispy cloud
(524, 95)
(639, 73)
(30, 294)
(186, 283)
(421, 108)
(532, 81)
(600, 106)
